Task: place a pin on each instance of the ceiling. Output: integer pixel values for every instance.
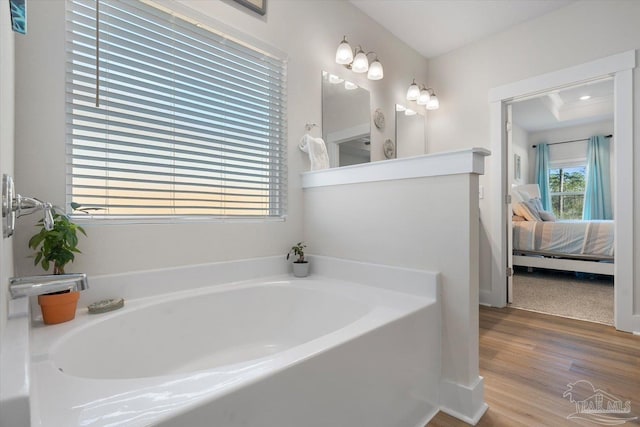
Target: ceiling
(434, 27)
(564, 108)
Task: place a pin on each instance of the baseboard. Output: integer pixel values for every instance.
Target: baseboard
(465, 403)
(472, 421)
(486, 297)
(424, 421)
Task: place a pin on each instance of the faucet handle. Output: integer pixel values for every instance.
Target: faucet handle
(48, 216)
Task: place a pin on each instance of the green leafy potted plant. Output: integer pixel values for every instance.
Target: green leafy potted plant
(56, 248)
(300, 265)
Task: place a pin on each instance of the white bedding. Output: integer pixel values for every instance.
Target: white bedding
(565, 237)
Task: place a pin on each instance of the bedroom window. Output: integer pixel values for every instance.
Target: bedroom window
(567, 185)
(180, 121)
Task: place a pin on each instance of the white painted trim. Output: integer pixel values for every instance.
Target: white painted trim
(568, 76)
(427, 418)
(465, 403)
(448, 163)
(620, 66)
(565, 264)
(497, 209)
(624, 318)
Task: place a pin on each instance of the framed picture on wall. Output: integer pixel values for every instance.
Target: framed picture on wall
(517, 167)
(18, 16)
(258, 6)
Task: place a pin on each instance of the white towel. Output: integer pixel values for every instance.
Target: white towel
(317, 152)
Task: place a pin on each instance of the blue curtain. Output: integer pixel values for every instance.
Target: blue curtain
(597, 196)
(542, 175)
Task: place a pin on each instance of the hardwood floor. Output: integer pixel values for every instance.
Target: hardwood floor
(527, 359)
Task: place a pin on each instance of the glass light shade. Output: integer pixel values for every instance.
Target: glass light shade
(414, 92)
(333, 79)
(423, 98)
(344, 54)
(350, 86)
(375, 71)
(433, 103)
(360, 63)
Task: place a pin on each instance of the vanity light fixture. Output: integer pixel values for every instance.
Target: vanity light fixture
(414, 91)
(358, 61)
(344, 54)
(433, 103)
(423, 96)
(375, 70)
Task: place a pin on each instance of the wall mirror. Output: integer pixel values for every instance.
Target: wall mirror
(410, 132)
(346, 121)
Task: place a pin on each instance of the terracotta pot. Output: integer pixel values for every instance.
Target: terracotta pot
(58, 308)
(301, 269)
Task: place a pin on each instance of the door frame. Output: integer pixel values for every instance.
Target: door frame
(620, 67)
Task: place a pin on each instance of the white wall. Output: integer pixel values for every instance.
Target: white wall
(308, 32)
(410, 135)
(575, 34)
(6, 141)
(428, 223)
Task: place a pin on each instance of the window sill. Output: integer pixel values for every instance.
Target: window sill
(91, 220)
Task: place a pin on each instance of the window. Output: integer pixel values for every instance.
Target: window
(567, 186)
(190, 122)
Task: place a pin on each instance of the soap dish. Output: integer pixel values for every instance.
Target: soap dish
(105, 306)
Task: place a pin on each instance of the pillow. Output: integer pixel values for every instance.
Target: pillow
(528, 210)
(537, 202)
(517, 218)
(547, 216)
(523, 195)
(517, 196)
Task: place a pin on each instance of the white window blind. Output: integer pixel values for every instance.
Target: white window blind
(189, 122)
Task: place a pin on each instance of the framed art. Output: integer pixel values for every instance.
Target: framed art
(517, 167)
(258, 6)
(18, 16)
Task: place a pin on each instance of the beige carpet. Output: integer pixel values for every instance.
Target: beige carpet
(582, 296)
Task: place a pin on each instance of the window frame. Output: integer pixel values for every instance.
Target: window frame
(202, 21)
(567, 164)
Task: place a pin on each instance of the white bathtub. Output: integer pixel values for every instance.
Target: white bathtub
(280, 352)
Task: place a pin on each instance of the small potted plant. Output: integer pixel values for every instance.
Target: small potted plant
(300, 265)
(57, 248)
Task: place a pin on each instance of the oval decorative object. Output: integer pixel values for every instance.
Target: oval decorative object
(378, 118)
(389, 149)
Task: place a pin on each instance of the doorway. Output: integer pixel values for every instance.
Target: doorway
(619, 67)
(563, 120)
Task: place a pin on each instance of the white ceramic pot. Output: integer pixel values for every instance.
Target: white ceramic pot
(301, 269)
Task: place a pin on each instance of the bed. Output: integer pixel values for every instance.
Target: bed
(583, 246)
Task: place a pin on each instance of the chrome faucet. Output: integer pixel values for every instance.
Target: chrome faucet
(14, 206)
(39, 285)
